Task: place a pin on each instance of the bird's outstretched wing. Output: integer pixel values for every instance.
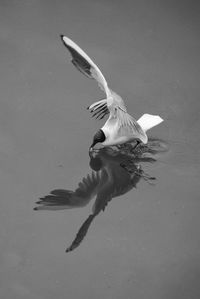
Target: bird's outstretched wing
(60, 199)
(85, 64)
(113, 104)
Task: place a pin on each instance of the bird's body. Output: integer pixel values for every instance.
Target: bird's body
(120, 126)
(116, 134)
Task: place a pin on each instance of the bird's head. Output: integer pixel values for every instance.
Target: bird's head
(99, 137)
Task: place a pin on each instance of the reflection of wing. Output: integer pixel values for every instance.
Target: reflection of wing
(102, 199)
(84, 64)
(81, 233)
(66, 199)
(117, 183)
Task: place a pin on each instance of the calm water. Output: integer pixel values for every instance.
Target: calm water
(146, 242)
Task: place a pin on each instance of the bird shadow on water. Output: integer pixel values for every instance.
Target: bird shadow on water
(115, 171)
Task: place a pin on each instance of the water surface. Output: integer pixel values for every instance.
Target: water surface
(146, 242)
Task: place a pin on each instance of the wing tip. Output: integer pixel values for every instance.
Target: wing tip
(66, 40)
(62, 37)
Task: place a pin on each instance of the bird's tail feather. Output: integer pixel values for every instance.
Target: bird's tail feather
(148, 121)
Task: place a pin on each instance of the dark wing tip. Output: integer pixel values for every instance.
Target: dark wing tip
(62, 37)
(78, 60)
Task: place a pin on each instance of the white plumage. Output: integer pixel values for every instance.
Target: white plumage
(120, 126)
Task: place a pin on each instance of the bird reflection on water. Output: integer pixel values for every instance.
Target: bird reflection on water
(115, 171)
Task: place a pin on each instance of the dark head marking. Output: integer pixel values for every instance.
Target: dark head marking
(98, 137)
(96, 163)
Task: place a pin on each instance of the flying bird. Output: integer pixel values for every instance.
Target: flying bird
(120, 127)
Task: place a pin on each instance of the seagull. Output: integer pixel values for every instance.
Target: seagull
(120, 127)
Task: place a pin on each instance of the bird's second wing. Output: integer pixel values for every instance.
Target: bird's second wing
(110, 105)
(85, 64)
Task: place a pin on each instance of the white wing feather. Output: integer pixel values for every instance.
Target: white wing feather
(85, 64)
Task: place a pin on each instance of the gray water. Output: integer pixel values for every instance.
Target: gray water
(146, 242)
